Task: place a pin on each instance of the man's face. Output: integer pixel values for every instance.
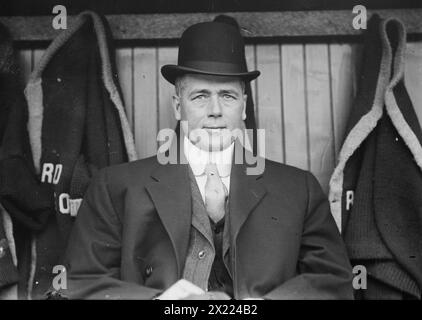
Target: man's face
(211, 108)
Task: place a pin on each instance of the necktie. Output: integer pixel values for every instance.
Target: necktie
(215, 193)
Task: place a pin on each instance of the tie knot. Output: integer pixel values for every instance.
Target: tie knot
(211, 169)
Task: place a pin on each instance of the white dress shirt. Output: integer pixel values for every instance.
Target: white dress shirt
(198, 159)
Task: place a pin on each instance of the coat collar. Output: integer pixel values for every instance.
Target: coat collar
(171, 194)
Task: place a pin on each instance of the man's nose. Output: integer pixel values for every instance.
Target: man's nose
(214, 108)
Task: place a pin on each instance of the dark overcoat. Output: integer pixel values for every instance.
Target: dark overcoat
(131, 235)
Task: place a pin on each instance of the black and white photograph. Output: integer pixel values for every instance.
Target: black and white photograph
(236, 151)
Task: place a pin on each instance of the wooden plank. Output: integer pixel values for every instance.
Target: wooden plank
(253, 24)
(25, 64)
(166, 120)
(124, 60)
(321, 144)
(269, 100)
(413, 75)
(342, 78)
(145, 100)
(295, 123)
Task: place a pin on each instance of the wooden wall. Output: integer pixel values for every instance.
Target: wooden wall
(302, 97)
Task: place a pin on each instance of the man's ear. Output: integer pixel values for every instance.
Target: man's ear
(245, 98)
(176, 107)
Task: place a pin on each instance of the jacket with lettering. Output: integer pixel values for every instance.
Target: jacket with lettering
(375, 190)
(77, 125)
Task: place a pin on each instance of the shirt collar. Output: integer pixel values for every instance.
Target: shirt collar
(199, 158)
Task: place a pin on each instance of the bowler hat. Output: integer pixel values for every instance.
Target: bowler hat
(212, 48)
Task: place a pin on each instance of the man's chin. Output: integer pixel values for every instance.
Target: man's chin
(211, 141)
(214, 147)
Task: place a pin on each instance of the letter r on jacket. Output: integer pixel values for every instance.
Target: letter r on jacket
(349, 199)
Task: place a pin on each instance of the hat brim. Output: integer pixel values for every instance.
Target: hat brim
(170, 72)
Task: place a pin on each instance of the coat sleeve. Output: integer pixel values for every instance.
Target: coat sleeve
(324, 270)
(93, 255)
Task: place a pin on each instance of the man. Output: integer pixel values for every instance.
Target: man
(204, 227)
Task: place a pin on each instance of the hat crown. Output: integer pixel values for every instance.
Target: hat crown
(212, 42)
(210, 48)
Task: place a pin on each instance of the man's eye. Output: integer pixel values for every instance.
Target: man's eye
(199, 97)
(228, 97)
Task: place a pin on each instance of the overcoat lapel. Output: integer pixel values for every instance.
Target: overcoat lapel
(171, 195)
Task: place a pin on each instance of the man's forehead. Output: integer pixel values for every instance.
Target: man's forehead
(198, 80)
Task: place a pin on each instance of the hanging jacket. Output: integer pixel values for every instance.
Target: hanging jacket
(375, 188)
(22, 198)
(77, 125)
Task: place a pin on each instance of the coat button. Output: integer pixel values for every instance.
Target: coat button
(201, 254)
(148, 271)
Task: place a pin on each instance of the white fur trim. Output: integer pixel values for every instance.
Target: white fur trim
(8, 230)
(34, 98)
(11, 292)
(33, 265)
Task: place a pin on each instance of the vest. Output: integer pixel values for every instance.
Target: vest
(201, 266)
